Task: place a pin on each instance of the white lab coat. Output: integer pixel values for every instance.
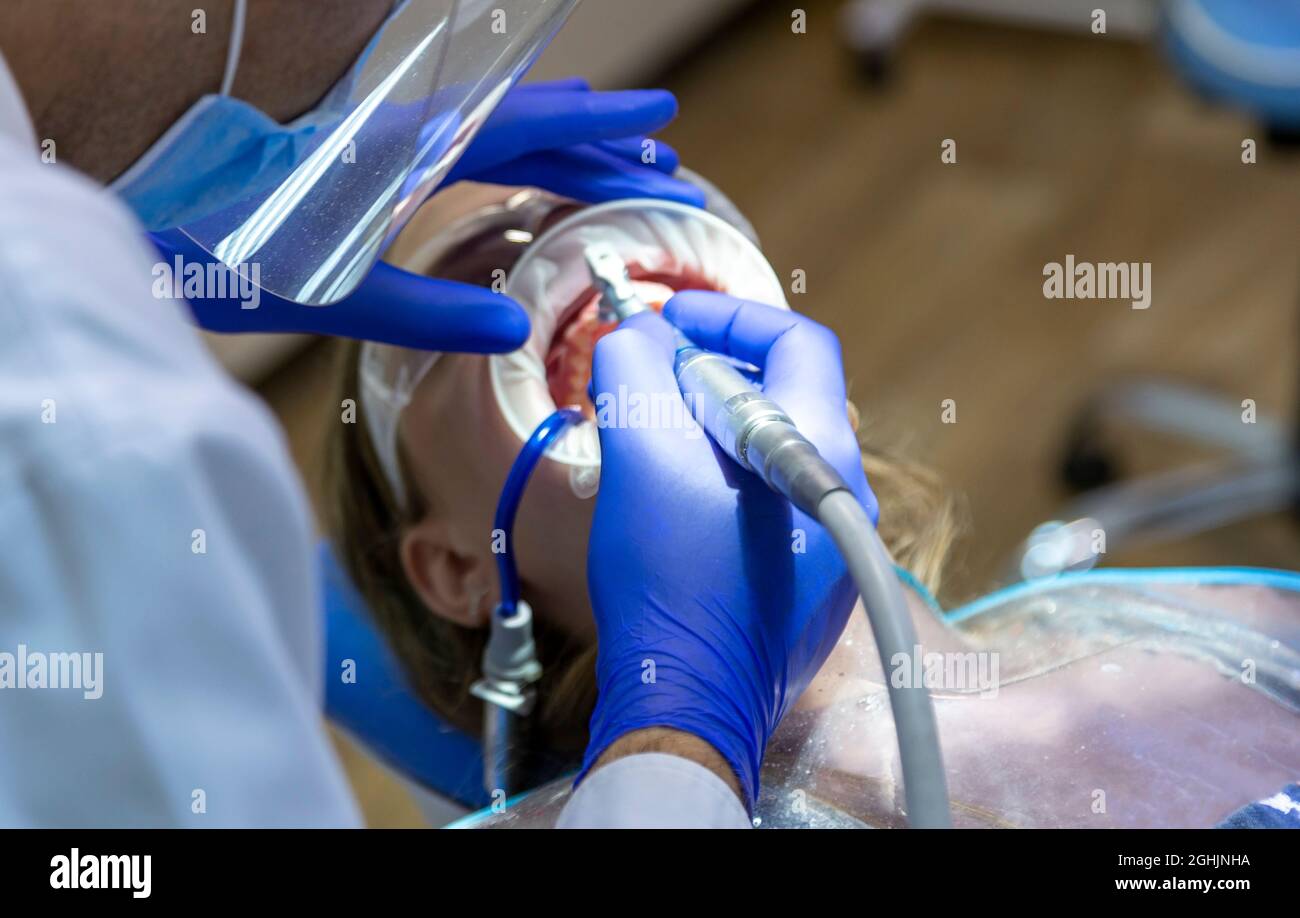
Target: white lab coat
(123, 449)
(119, 438)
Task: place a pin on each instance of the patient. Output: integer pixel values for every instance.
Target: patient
(1112, 709)
(426, 568)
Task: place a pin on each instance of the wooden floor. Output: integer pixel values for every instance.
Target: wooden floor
(932, 273)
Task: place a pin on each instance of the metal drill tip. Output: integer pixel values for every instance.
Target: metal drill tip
(618, 298)
(604, 264)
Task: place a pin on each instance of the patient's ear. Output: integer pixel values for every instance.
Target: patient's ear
(453, 582)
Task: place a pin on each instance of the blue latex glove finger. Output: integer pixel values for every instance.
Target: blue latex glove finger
(587, 173)
(630, 148)
(715, 600)
(633, 150)
(544, 119)
(638, 355)
(390, 306)
(573, 82)
(798, 356)
(802, 366)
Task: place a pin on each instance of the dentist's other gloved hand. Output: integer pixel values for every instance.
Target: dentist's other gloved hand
(390, 306)
(716, 601)
(590, 146)
(560, 136)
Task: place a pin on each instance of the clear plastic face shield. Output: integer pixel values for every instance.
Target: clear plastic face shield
(388, 134)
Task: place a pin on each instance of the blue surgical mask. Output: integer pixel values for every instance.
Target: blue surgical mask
(217, 154)
(315, 201)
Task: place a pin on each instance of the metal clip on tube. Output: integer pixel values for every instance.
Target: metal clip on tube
(508, 692)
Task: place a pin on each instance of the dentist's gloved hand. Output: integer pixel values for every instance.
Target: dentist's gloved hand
(590, 146)
(391, 306)
(560, 136)
(716, 601)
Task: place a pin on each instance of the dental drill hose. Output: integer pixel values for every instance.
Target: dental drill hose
(924, 782)
(754, 431)
(757, 434)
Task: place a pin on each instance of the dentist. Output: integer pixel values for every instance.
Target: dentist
(152, 514)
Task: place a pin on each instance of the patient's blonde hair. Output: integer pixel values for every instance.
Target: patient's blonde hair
(441, 658)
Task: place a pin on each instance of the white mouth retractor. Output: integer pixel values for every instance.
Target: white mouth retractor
(662, 238)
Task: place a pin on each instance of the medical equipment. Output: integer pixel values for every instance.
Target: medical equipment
(712, 249)
(510, 665)
(314, 203)
(1114, 698)
(755, 432)
(1257, 473)
(559, 135)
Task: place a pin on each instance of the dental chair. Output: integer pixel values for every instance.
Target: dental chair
(442, 766)
(1247, 56)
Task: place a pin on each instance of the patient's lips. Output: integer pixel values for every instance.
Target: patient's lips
(568, 362)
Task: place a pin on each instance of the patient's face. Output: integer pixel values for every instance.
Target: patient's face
(460, 449)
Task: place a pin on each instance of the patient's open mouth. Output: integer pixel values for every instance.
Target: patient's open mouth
(568, 359)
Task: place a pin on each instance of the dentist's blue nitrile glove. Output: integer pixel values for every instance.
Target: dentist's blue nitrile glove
(390, 306)
(567, 139)
(716, 601)
(560, 136)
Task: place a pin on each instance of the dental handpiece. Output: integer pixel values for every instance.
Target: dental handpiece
(751, 428)
(754, 431)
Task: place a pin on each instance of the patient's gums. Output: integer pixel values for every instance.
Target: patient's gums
(568, 360)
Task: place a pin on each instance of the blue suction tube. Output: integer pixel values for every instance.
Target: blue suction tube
(512, 494)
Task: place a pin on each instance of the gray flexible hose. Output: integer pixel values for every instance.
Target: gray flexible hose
(924, 782)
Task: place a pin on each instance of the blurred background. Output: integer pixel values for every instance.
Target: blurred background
(1068, 142)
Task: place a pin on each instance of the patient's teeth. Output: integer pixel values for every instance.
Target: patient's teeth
(568, 362)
